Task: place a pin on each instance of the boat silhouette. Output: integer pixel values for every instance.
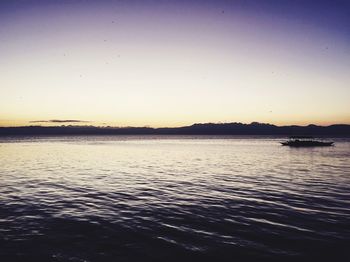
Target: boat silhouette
(305, 141)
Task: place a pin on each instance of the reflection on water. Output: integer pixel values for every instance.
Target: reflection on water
(172, 198)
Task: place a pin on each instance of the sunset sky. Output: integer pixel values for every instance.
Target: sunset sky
(173, 63)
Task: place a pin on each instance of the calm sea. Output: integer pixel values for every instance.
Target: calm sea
(127, 198)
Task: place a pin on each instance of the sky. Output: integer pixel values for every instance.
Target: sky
(174, 63)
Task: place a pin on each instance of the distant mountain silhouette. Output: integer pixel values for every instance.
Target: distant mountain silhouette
(254, 128)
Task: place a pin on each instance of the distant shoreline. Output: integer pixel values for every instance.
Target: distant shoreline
(338, 130)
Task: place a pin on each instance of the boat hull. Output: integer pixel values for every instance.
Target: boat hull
(307, 143)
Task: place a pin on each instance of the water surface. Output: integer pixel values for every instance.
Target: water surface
(127, 198)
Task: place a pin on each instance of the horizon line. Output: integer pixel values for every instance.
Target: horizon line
(152, 127)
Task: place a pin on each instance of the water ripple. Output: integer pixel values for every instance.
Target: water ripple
(142, 199)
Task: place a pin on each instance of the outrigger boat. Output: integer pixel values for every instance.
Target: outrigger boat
(305, 141)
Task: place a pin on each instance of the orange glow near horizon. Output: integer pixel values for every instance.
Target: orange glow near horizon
(17, 123)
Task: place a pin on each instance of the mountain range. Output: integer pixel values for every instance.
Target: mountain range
(255, 128)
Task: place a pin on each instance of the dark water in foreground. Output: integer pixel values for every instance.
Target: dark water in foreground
(171, 198)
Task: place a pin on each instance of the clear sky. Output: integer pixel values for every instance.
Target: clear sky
(173, 63)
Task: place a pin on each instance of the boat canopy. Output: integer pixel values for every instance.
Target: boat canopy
(301, 137)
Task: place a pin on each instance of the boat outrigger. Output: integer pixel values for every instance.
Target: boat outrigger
(305, 141)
